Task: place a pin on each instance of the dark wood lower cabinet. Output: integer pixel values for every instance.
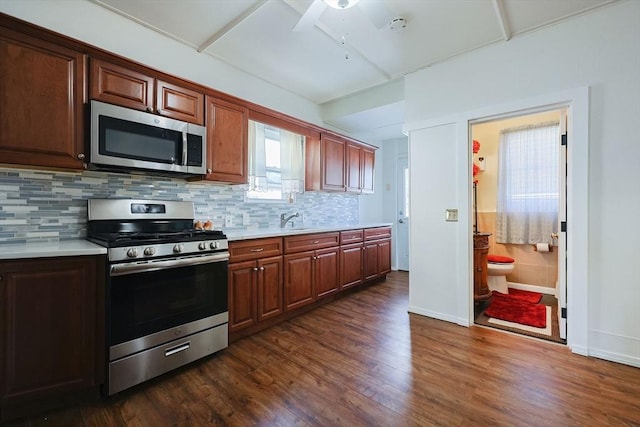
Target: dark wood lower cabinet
(351, 258)
(52, 331)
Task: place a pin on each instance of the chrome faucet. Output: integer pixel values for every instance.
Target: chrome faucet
(284, 219)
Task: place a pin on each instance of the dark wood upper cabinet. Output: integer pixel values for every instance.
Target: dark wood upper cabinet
(127, 87)
(41, 97)
(332, 163)
(227, 145)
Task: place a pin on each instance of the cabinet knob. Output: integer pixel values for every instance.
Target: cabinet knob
(149, 110)
(255, 268)
(262, 268)
(80, 156)
(209, 170)
(479, 269)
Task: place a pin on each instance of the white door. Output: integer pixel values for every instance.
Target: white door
(403, 214)
(562, 234)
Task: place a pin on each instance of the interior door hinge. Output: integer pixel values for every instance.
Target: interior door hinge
(563, 141)
(563, 226)
(563, 312)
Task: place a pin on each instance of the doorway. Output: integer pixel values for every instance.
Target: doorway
(534, 272)
(403, 213)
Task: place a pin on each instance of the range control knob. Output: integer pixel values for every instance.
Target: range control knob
(150, 251)
(178, 248)
(132, 252)
(202, 246)
(213, 245)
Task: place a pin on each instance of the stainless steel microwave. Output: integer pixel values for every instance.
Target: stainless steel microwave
(126, 139)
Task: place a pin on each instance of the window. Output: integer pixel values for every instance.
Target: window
(276, 163)
(528, 189)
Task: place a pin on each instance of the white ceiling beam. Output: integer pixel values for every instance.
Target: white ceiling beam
(498, 6)
(231, 25)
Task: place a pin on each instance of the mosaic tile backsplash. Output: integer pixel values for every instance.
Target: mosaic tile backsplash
(44, 205)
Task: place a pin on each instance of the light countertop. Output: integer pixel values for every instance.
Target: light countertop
(287, 231)
(80, 247)
(50, 249)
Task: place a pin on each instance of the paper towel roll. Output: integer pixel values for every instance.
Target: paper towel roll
(542, 247)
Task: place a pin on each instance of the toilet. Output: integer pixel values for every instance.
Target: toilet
(497, 269)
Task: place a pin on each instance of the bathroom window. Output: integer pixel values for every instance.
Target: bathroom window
(528, 184)
(276, 163)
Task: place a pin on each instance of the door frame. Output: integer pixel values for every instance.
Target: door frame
(400, 161)
(576, 100)
(561, 282)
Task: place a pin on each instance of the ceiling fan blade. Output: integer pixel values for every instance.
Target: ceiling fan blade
(378, 12)
(311, 16)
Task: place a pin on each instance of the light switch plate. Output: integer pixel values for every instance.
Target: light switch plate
(228, 221)
(451, 215)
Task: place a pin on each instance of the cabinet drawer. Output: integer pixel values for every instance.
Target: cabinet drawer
(306, 242)
(351, 236)
(377, 233)
(245, 250)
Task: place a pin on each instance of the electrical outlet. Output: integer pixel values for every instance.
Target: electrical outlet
(451, 215)
(228, 221)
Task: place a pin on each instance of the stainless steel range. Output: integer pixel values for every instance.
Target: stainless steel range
(167, 287)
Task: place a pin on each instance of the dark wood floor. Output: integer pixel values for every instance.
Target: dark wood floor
(364, 361)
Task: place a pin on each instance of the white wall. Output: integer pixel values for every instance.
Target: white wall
(97, 26)
(601, 51)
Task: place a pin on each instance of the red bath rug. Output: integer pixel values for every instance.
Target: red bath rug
(525, 296)
(513, 310)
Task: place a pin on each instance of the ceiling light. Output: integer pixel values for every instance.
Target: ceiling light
(341, 4)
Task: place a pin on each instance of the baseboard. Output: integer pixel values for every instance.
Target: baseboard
(615, 357)
(439, 316)
(533, 288)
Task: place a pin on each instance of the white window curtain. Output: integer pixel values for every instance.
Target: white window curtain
(528, 192)
(291, 164)
(257, 157)
(287, 177)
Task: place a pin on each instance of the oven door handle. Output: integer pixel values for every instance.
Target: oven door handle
(131, 268)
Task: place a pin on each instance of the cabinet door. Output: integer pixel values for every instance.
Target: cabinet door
(354, 168)
(298, 280)
(41, 103)
(351, 259)
(332, 163)
(270, 300)
(384, 256)
(327, 277)
(121, 86)
(179, 103)
(370, 260)
(367, 164)
(51, 328)
(227, 145)
(242, 295)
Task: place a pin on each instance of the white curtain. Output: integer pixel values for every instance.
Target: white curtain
(528, 192)
(257, 157)
(291, 164)
(291, 168)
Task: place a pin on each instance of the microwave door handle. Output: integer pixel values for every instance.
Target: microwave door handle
(184, 148)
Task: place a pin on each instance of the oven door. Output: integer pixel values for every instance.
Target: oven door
(150, 299)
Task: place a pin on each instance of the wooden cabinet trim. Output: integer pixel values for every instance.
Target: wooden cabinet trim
(244, 250)
(377, 233)
(305, 242)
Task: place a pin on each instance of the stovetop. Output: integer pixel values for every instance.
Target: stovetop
(119, 239)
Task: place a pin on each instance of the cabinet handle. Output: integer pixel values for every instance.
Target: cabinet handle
(80, 156)
(256, 250)
(315, 242)
(255, 268)
(209, 170)
(262, 268)
(479, 269)
(149, 110)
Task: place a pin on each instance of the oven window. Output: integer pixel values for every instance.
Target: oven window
(130, 140)
(145, 303)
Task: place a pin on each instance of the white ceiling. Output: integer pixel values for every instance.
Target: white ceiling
(257, 36)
